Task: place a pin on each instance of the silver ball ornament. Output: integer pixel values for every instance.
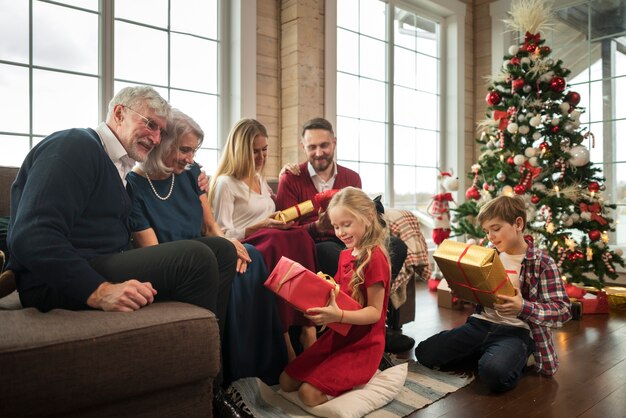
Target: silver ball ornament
(500, 176)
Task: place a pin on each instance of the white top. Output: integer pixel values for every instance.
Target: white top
(512, 265)
(115, 150)
(320, 184)
(236, 207)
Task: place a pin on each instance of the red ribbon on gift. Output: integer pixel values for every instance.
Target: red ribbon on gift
(502, 117)
(594, 209)
(322, 199)
(469, 284)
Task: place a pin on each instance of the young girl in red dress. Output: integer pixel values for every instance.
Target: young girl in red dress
(335, 363)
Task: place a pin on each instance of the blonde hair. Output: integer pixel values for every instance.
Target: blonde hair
(507, 208)
(359, 205)
(238, 156)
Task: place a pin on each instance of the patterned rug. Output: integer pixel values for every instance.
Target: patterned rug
(423, 386)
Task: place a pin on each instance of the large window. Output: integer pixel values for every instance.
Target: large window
(590, 38)
(61, 61)
(388, 95)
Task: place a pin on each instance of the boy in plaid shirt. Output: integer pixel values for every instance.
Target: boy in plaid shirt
(503, 338)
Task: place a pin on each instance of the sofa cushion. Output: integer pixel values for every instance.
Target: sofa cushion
(62, 360)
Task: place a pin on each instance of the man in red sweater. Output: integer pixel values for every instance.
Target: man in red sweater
(300, 182)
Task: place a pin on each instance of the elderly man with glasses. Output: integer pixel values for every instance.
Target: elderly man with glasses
(69, 232)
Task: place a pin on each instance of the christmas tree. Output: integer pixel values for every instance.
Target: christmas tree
(533, 145)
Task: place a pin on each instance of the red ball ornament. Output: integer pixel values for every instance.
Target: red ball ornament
(571, 256)
(518, 83)
(544, 146)
(531, 47)
(594, 235)
(545, 50)
(472, 193)
(535, 199)
(519, 189)
(557, 84)
(515, 60)
(493, 98)
(486, 186)
(510, 161)
(594, 187)
(572, 98)
(555, 129)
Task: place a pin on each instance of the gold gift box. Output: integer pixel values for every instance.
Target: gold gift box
(294, 212)
(474, 273)
(617, 297)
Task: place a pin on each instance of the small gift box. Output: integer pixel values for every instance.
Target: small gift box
(617, 297)
(304, 289)
(319, 201)
(474, 273)
(594, 304)
(445, 298)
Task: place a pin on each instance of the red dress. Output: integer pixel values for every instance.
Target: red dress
(336, 364)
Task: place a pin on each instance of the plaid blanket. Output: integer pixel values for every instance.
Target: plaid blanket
(404, 225)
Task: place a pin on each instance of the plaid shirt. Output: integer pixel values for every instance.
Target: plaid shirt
(545, 305)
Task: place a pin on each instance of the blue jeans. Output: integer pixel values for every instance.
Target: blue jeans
(502, 351)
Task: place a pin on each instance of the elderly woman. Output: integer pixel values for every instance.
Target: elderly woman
(244, 208)
(168, 206)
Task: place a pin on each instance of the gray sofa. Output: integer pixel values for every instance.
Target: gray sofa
(158, 361)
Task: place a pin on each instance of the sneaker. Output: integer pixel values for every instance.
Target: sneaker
(396, 342)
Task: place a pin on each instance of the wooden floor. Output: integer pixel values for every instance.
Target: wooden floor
(591, 381)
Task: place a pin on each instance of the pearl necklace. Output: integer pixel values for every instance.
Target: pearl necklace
(155, 192)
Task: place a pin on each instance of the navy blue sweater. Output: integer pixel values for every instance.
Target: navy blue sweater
(68, 205)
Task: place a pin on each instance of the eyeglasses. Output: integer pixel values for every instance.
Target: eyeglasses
(150, 124)
(188, 150)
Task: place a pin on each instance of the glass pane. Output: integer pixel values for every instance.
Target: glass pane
(348, 44)
(14, 99)
(347, 14)
(372, 100)
(404, 68)
(428, 146)
(596, 153)
(119, 85)
(427, 74)
(404, 185)
(426, 37)
(372, 63)
(373, 177)
(198, 17)
(425, 186)
(13, 150)
(63, 101)
(140, 54)
(607, 18)
(198, 74)
(404, 26)
(72, 45)
(427, 111)
(347, 138)
(618, 102)
(372, 18)
(404, 146)
(373, 142)
(83, 4)
(596, 101)
(347, 95)
(203, 109)
(404, 106)
(208, 159)
(150, 12)
(14, 26)
(620, 145)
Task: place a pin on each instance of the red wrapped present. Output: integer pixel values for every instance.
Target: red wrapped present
(304, 289)
(594, 305)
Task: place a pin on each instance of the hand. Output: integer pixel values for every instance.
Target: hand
(128, 296)
(272, 223)
(203, 181)
(511, 305)
(243, 258)
(325, 314)
(292, 168)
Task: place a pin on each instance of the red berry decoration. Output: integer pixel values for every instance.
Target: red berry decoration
(572, 98)
(557, 84)
(594, 187)
(594, 235)
(510, 161)
(518, 83)
(534, 199)
(555, 129)
(515, 60)
(519, 189)
(545, 50)
(493, 98)
(544, 146)
(472, 193)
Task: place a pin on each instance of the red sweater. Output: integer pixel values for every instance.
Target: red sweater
(296, 189)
